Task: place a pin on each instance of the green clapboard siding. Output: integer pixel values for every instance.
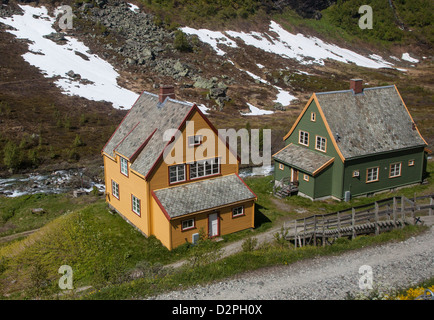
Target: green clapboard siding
(336, 179)
(409, 174)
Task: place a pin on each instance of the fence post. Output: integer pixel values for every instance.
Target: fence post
(323, 231)
(304, 233)
(431, 202)
(314, 230)
(394, 211)
(353, 222)
(295, 233)
(339, 223)
(402, 211)
(413, 209)
(377, 229)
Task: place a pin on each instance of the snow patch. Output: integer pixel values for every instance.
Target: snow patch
(305, 49)
(254, 111)
(133, 7)
(213, 38)
(406, 56)
(98, 79)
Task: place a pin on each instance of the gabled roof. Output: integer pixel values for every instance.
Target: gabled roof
(202, 195)
(303, 159)
(139, 137)
(374, 121)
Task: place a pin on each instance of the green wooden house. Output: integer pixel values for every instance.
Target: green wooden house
(350, 143)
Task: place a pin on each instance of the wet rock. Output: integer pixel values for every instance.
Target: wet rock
(58, 37)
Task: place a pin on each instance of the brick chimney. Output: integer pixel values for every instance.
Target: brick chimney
(166, 91)
(356, 85)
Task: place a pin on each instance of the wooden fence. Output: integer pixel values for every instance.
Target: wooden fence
(373, 218)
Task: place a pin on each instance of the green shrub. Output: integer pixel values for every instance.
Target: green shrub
(12, 157)
(249, 244)
(181, 42)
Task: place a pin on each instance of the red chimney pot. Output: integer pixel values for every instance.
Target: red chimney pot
(166, 91)
(356, 85)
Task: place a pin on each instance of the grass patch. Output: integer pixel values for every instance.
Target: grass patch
(101, 248)
(241, 262)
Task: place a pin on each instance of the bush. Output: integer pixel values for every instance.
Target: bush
(249, 244)
(12, 156)
(181, 42)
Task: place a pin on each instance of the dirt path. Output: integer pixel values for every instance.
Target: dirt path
(17, 235)
(393, 265)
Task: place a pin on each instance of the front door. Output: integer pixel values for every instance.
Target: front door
(294, 175)
(213, 225)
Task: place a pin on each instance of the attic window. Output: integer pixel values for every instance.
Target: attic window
(313, 116)
(194, 141)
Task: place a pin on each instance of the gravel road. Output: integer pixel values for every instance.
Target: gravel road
(393, 265)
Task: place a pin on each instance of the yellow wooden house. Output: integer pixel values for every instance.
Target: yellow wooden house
(174, 196)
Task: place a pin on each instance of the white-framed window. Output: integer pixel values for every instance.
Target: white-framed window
(281, 166)
(356, 173)
(238, 211)
(115, 189)
(194, 140)
(395, 170)
(177, 173)
(124, 166)
(204, 168)
(313, 116)
(305, 177)
(135, 204)
(321, 144)
(187, 224)
(410, 163)
(303, 138)
(372, 174)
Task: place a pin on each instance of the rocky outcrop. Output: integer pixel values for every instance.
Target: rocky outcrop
(141, 42)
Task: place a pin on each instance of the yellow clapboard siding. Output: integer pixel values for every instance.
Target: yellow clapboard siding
(160, 178)
(131, 185)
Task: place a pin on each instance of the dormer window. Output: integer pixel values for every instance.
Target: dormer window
(194, 141)
(124, 166)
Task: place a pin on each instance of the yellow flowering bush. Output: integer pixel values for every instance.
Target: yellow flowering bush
(413, 293)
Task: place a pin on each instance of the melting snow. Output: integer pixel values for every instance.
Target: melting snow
(133, 7)
(305, 49)
(57, 60)
(254, 111)
(407, 57)
(213, 38)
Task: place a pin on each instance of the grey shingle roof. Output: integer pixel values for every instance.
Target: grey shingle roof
(302, 158)
(147, 119)
(203, 195)
(372, 122)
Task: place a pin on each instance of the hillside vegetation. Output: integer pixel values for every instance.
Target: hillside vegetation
(397, 21)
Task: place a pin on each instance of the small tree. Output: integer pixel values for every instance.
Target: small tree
(12, 157)
(249, 244)
(181, 42)
(204, 251)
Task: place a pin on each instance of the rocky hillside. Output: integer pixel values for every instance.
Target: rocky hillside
(225, 73)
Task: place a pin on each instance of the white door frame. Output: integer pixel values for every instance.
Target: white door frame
(213, 224)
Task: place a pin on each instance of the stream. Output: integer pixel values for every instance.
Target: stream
(62, 181)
